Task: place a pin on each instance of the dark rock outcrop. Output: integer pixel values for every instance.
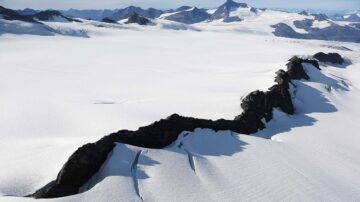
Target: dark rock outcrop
(183, 8)
(334, 58)
(27, 11)
(304, 13)
(320, 17)
(223, 12)
(189, 16)
(136, 18)
(284, 30)
(257, 106)
(303, 24)
(125, 13)
(108, 20)
(9, 14)
(333, 32)
(295, 69)
(50, 15)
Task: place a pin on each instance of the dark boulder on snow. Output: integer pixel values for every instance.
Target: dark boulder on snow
(334, 58)
(136, 18)
(108, 20)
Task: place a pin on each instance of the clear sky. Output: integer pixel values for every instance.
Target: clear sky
(165, 4)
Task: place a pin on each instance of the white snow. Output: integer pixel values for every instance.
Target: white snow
(59, 92)
(242, 13)
(259, 23)
(321, 24)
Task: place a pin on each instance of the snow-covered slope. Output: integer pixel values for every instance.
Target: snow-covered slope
(57, 95)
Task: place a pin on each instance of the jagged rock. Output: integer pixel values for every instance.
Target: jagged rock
(282, 78)
(295, 69)
(280, 97)
(108, 20)
(330, 57)
(258, 105)
(136, 18)
(87, 160)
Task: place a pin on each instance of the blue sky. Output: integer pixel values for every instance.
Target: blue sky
(164, 4)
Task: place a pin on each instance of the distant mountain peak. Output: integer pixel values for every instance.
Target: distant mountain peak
(138, 19)
(128, 11)
(189, 16)
(223, 12)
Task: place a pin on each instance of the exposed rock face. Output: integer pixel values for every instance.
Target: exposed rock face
(27, 11)
(125, 13)
(333, 32)
(304, 13)
(136, 18)
(9, 14)
(303, 24)
(223, 12)
(183, 8)
(50, 15)
(320, 17)
(258, 105)
(90, 14)
(284, 30)
(349, 17)
(190, 16)
(295, 69)
(108, 20)
(334, 58)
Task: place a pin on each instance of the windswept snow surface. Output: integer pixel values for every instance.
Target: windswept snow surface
(59, 92)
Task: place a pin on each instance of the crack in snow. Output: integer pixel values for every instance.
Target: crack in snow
(134, 174)
(189, 154)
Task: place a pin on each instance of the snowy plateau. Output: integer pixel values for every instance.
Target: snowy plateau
(66, 81)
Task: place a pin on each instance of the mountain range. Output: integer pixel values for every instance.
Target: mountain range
(301, 25)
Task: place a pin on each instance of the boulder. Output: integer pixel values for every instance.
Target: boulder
(334, 58)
